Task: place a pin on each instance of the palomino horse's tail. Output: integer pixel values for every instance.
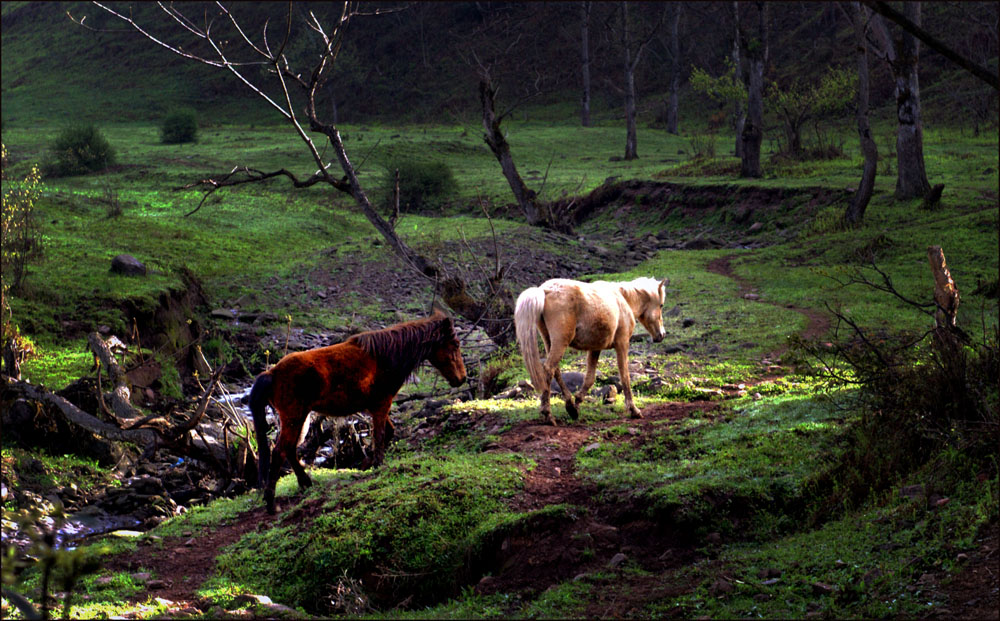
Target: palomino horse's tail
(527, 312)
(260, 395)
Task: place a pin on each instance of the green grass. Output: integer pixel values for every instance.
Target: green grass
(419, 520)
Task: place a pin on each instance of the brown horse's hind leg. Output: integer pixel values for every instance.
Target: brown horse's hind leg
(285, 448)
(382, 427)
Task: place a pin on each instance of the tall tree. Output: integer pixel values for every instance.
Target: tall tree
(856, 209)
(903, 57)
(675, 69)
(632, 42)
(585, 63)
(739, 111)
(754, 50)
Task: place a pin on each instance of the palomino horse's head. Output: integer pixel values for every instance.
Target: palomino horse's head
(651, 316)
(446, 356)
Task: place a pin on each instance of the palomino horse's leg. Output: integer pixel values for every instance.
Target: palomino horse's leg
(621, 349)
(545, 389)
(588, 379)
(574, 413)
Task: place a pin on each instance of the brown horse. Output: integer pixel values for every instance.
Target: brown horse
(363, 373)
(587, 316)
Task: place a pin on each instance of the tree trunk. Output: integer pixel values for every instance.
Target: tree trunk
(753, 128)
(415, 259)
(856, 210)
(739, 114)
(912, 180)
(585, 63)
(675, 70)
(631, 152)
(535, 212)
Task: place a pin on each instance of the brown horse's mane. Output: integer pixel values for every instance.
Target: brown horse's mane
(400, 348)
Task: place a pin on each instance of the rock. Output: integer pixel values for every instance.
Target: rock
(673, 349)
(688, 322)
(251, 598)
(962, 557)
(141, 576)
(720, 587)
(771, 581)
(822, 588)
(127, 265)
(592, 447)
(756, 226)
(579, 577)
(617, 560)
(572, 379)
(222, 313)
(607, 394)
(673, 312)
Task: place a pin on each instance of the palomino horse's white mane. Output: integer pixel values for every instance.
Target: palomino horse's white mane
(643, 283)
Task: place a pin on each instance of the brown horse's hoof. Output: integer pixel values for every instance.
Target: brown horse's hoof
(572, 410)
(635, 414)
(551, 420)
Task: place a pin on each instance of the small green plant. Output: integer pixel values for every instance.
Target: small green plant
(179, 126)
(80, 150)
(423, 185)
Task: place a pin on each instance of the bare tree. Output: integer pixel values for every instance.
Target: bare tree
(632, 43)
(263, 59)
(754, 51)
(585, 63)
(902, 56)
(856, 210)
(739, 112)
(675, 69)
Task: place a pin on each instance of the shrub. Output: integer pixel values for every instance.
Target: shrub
(422, 185)
(179, 126)
(79, 150)
(20, 237)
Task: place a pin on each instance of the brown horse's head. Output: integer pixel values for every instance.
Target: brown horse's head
(651, 316)
(446, 356)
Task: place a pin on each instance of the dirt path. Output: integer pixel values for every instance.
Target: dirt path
(818, 323)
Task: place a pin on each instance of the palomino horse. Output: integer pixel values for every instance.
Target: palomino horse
(587, 316)
(363, 373)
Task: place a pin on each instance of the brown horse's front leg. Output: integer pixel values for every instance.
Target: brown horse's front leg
(622, 351)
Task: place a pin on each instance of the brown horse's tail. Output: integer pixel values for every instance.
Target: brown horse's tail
(260, 396)
(527, 312)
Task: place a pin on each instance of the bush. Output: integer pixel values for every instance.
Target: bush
(422, 185)
(79, 150)
(20, 236)
(179, 126)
